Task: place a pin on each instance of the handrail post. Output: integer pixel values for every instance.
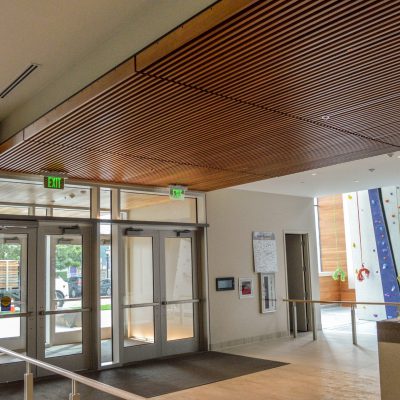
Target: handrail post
(353, 324)
(294, 319)
(313, 321)
(74, 395)
(28, 383)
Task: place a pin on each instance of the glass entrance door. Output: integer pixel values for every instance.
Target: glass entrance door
(64, 296)
(17, 313)
(179, 293)
(141, 296)
(159, 305)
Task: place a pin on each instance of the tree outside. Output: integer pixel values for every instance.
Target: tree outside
(67, 256)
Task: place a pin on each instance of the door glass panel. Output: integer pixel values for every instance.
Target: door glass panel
(13, 275)
(139, 326)
(17, 197)
(105, 294)
(180, 321)
(178, 269)
(179, 286)
(138, 270)
(64, 289)
(138, 322)
(155, 207)
(66, 337)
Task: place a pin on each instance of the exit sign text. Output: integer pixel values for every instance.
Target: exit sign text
(54, 182)
(176, 193)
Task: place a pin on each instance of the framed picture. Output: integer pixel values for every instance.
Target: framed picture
(246, 288)
(267, 293)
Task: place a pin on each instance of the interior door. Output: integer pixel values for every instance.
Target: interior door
(179, 292)
(64, 296)
(140, 290)
(17, 290)
(296, 272)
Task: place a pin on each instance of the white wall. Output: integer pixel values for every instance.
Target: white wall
(233, 215)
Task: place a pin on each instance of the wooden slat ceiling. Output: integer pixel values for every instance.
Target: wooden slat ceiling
(280, 87)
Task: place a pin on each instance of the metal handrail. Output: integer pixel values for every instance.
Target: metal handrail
(352, 304)
(369, 303)
(28, 379)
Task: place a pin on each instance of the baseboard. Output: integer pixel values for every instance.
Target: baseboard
(247, 340)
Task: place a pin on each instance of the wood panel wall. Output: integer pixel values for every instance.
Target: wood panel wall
(333, 248)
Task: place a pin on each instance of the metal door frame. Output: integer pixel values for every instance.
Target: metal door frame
(307, 274)
(73, 362)
(145, 351)
(13, 371)
(187, 345)
(161, 346)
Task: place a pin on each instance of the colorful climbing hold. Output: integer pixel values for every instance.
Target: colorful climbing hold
(363, 270)
(339, 273)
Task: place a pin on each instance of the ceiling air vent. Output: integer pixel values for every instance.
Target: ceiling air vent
(18, 80)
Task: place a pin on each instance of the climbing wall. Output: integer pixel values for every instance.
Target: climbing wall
(391, 206)
(381, 221)
(361, 246)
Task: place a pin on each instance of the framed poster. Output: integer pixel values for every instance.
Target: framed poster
(246, 288)
(267, 293)
(264, 252)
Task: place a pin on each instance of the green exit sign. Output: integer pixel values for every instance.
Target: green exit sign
(177, 193)
(54, 182)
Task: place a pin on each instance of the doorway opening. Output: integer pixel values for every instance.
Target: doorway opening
(298, 278)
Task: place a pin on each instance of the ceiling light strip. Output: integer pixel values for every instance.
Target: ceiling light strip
(18, 80)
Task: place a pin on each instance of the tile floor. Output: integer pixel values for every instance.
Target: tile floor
(331, 368)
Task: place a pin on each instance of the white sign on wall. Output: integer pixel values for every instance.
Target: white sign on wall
(264, 252)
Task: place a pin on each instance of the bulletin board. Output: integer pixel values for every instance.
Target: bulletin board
(264, 252)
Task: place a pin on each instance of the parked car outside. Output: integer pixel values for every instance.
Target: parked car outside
(105, 287)
(75, 286)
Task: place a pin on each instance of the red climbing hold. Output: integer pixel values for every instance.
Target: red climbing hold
(362, 270)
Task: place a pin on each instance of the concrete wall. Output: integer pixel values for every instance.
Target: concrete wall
(233, 215)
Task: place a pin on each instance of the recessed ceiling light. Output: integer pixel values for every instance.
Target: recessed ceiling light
(314, 173)
(398, 156)
(356, 181)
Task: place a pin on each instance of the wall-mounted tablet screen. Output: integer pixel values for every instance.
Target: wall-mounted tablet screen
(225, 284)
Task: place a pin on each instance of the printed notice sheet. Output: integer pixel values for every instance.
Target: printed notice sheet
(264, 252)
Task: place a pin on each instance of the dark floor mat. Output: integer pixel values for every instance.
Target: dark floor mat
(152, 378)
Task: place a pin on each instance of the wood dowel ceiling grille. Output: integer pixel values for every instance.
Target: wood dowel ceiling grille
(281, 87)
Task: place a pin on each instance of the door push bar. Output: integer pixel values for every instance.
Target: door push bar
(16, 315)
(140, 305)
(73, 311)
(167, 303)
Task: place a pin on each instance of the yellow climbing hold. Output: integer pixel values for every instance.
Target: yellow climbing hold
(350, 197)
